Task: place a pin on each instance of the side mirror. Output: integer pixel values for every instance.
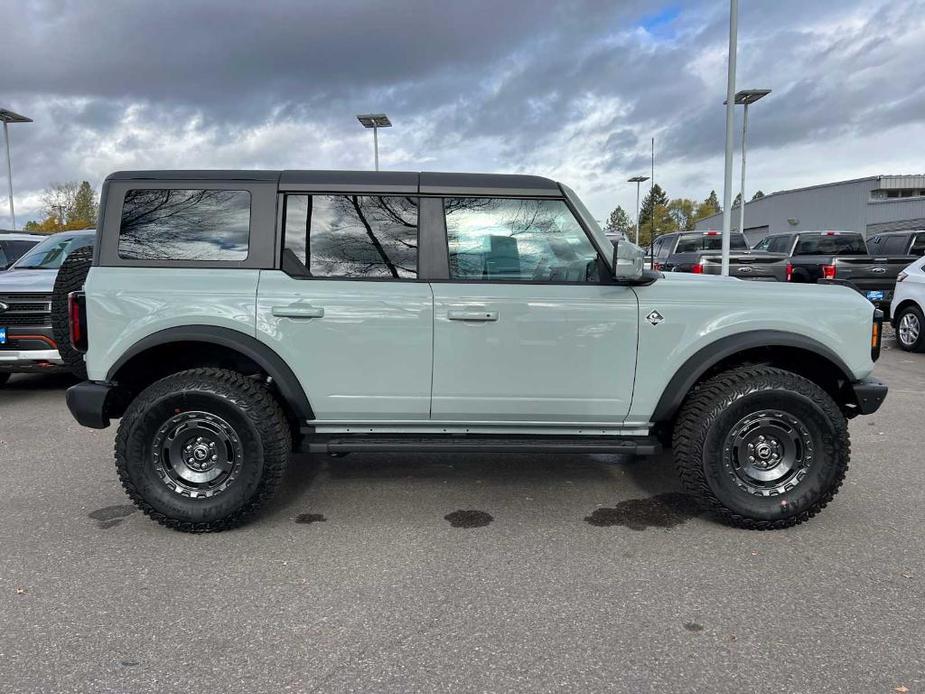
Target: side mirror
(628, 262)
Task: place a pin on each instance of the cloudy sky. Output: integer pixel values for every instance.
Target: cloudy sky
(571, 89)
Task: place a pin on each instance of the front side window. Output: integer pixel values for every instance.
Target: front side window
(689, 243)
(172, 224)
(780, 244)
(918, 245)
(762, 245)
(501, 239)
(353, 236)
(664, 250)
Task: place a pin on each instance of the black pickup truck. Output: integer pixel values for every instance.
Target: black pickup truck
(835, 256)
(700, 252)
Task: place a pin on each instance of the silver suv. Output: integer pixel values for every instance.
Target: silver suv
(229, 317)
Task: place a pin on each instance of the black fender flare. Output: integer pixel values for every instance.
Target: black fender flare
(707, 357)
(265, 357)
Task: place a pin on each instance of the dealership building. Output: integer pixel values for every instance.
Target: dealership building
(869, 205)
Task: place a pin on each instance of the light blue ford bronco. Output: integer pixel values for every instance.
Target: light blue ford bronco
(230, 317)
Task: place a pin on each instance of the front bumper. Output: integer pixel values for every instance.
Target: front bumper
(869, 395)
(93, 404)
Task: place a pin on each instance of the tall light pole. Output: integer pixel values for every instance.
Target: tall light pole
(746, 97)
(9, 117)
(638, 180)
(730, 124)
(375, 121)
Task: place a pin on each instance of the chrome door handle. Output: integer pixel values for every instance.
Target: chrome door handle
(483, 316)
(297, 311)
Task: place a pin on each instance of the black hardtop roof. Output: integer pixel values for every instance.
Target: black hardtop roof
(402, 182)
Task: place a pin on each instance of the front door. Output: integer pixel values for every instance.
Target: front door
(347, 311)
(528, 327)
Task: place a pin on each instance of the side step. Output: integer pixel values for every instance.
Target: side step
(482, 444)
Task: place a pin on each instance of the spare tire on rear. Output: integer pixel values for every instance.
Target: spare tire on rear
(71, 278)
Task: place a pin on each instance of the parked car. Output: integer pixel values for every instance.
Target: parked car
(27, 343)
(898, 243)
(834, 256)
(13, 245)
(229, 316)
(700, 252)
(908, 309)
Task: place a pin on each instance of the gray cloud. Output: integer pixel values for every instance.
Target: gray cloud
(571, 89)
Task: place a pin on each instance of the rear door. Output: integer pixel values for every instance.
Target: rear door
(527, 327)
(347, 310)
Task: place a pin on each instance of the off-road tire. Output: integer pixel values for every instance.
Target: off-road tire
(702, 448)
(258, 422)
(71, 277)
(917, 345)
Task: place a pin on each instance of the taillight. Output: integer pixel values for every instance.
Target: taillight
(656, 266)
(789, 271)
(697, 268)
(77, 314)
(828, 272)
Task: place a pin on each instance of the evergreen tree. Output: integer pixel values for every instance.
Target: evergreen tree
(82, 214)
(654, 198)
(758, 195)
(618, 222)
(737, 201)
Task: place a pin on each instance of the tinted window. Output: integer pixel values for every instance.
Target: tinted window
(689, 243)
(780, 244)
(11, 250)
(50, 253)
(918, 245)
(831, 244)
(169, 224)
(664, 247)
(354, 235)
(894, 245)
(517, 240)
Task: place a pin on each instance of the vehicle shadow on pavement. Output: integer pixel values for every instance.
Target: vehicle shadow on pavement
(36, 382)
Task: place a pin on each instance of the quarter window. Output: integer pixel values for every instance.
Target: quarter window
(353, 236)
(502, 239)
(172, 224)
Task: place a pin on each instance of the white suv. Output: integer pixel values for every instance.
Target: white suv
(906, 309)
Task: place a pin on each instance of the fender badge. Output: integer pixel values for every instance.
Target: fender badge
(655, 318)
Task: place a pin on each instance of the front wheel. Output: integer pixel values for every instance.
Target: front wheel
(202, 450)
(764, 448)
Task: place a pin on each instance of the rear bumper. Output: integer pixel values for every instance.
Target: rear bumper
(869, 395)
(29, 360)
(92, 404)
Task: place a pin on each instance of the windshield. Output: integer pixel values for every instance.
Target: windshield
(589, 221)
(50, 253)
(709, 242)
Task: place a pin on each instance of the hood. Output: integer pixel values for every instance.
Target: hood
(27, 281)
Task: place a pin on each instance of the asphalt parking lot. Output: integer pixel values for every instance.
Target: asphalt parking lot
(576, 573)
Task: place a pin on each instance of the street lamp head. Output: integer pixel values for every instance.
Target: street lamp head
(637, 179)
(374, 120)
(750, 96)
(10, 117)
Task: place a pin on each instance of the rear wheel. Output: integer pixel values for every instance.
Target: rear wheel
(910, 329)
(763, 447)
(202, 450)
(71, 277)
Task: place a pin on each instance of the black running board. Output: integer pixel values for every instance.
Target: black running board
(482, 444)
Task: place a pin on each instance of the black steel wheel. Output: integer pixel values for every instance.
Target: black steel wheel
(203, 450)
(763, 448)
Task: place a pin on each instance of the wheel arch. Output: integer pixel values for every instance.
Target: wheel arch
(798, 353)
(199, 343)
(905, 303)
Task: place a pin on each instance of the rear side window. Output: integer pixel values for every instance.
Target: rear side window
(502, 239)
(834, 244)
(353, 236)
(172, 224)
